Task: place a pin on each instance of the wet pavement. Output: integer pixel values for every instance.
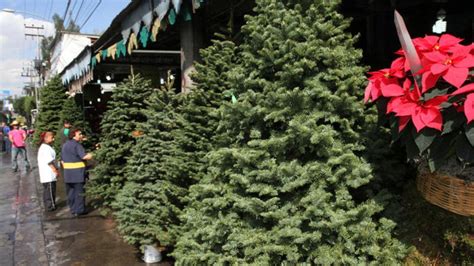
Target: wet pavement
(31, 236)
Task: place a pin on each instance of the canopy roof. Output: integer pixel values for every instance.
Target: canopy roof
(134, 27)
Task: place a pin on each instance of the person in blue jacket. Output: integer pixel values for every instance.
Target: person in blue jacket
(7, 146)
(73, 157)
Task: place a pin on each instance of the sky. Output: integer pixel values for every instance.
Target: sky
(18, 51)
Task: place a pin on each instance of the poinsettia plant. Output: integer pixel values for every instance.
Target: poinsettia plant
(431, 111)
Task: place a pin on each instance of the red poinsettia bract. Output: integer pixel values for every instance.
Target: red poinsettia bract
(407, 105)
(453, 67)
(445, 67)
(442, 44)
(384, 77)
(469, 102)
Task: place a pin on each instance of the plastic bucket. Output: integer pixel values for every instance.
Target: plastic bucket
(151, 254)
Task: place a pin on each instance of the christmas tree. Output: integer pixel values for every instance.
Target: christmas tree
(140, 205)
(279, 188)
(52, 98)
(125, 112)
(170, 156)
(74, 114)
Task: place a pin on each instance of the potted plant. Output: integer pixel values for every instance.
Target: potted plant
(431, 112)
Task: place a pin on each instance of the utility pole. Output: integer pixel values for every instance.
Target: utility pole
(29, 72)
(38, 64)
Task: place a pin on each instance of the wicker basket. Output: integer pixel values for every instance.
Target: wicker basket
(447, 192)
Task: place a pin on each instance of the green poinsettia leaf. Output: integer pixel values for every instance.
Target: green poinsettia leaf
(441, 149)
(425, 138)
(455, 98)
(452, 121)
(443, 146)
(412, 151)
(464, 150)
(470, 133)
(435, 92)
(411, 148)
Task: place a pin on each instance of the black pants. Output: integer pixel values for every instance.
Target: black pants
(49, 195)
(75, 197)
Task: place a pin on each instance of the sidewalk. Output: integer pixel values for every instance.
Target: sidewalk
(30, 236)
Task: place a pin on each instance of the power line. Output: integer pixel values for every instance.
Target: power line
(88, 8)
(78, 11)
(73, 6)
(95, 8)
(65, 11)
(70, 14)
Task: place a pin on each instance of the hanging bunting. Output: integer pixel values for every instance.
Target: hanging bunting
(144, 36)
(147, 16)
(126, 34)
(132, 43)
(132, 33)
(170, 8)
(121, 49)
(162, 7)
(97, 57)
(112, 50)
(136, 27)
(176, 4)
(196, 4)
(132, 22)
(104, 54)
(164, 25)
(154, 29)
(93, 62)
(172, 16)
(186, 13)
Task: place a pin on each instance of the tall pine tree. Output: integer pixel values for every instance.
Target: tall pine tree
(146, 205)
(74, 114)
(170, 156)
(279, 189)
(125, 112)
(52, 98)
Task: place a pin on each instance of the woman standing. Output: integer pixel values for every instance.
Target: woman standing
(73, 157)
(48, 170)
